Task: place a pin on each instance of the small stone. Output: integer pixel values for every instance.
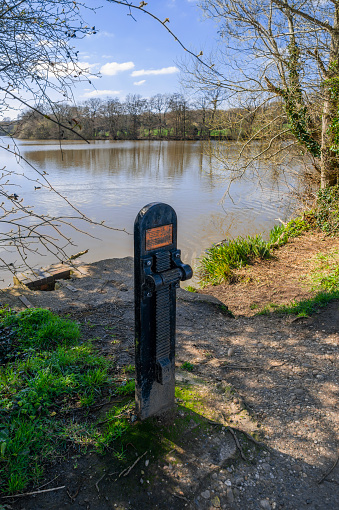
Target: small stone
(214, 476)
(299, 391)
(230, 495)
(239, 480)
(216, 502)
(146, 462)
(266, 466)
(228, 483)
(206, 494)
(141, 480)
(230, 352)
(265, 504)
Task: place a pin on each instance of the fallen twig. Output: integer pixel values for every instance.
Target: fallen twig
(332, 481)
(44, 485)
(35, 492)
(243, 367)
(297, 319)
(97, 483)
(72, 498)
(237, 442)
(126, 471)
(181, 497)
(329, 471)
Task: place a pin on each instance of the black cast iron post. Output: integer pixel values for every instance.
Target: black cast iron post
(158, 270)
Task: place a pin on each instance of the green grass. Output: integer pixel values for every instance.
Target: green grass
(189, 288)
(39, 329)
(307, 307)
(220, 260)
(189, 367)
(47, 375)
(323, 279)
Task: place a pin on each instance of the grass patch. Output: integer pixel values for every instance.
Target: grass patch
(307, 307)
(220, 260)
(189, 288)
(270, 307)
(46, 378)
(38, 329)
(189, 367)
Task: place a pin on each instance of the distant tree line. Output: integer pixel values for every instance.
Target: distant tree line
(163, 116)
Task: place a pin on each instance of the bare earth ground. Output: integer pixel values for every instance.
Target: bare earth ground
(270, 375)
(279, 280)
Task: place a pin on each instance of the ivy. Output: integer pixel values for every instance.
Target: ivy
(332, 85)
(296, 111)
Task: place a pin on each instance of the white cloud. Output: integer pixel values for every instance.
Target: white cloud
(164, 70)
(141, 82)
(98, 93)
(112, 68)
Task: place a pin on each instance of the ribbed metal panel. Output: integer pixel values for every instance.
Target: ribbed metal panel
(163, 323)
(162, 261)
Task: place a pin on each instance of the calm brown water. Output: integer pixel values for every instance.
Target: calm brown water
(112, 181)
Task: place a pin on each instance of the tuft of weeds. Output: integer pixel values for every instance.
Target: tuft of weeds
(220, 260)
(189, 367)
(189, 288)
(129, 369)
(267, 309)
(126, 388)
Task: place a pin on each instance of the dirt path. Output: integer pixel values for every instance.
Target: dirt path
(267, 375)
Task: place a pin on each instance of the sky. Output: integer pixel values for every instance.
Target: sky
(139, 56)
(132, 55)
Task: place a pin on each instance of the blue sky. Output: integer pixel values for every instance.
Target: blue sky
(140, 57)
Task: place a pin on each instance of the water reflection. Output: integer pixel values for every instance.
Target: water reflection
(111, 181)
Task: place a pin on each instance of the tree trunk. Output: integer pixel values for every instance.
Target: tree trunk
(329, 159)
(329, 165)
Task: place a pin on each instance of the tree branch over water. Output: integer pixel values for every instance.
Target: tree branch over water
(38, 63)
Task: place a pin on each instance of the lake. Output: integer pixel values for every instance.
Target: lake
(112, 181)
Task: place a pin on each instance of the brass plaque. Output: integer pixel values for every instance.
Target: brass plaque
(158, 237)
